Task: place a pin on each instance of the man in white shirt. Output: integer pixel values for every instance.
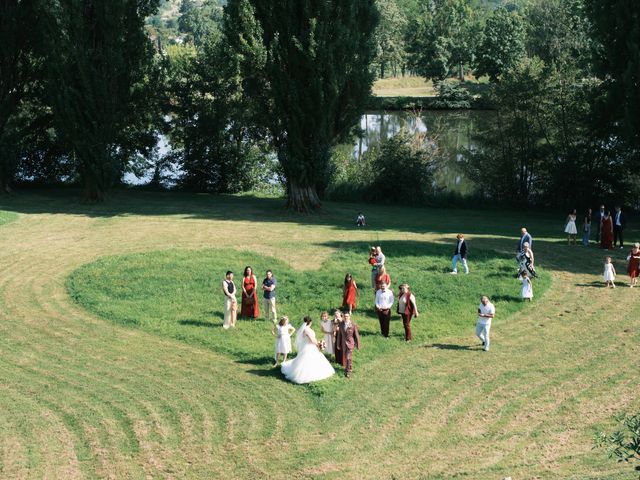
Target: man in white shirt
(384, 302)
(619, 222)
(486, 311)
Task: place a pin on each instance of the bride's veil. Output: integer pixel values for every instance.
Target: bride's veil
(300, 341)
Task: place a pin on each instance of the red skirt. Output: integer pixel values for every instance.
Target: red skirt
(349, 297)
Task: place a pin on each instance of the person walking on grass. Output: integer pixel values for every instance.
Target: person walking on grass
(459, 255)
(586, 228)
(347, 338)
(609, 273)
(230, 302)
(525, 237)
(349, 293)
(384, 302)
(326, 325)
(570, 228)
(269, 296)
(282, 332)
(619, 224)
(633, 268)
(527, 288)
(486, 311)
(407, 309)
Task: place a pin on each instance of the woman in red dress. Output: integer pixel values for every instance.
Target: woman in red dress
(249, 295)
(634, 264)
(349, 292)
(606, 233)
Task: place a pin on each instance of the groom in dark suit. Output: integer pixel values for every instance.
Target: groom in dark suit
(347, 338)
(619, 223)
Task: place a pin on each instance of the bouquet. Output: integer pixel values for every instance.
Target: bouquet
(322, 345)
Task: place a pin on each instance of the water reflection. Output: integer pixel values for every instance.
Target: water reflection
(451, 131)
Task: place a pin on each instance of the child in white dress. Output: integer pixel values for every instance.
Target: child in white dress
(609, 273)
(327, 328)
(282, 332)
(527, 288)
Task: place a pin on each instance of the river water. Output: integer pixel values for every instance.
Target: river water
(451, 130)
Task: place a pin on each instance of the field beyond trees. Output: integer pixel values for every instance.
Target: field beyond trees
(114, 365)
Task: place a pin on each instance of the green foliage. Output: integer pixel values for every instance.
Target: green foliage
(202, 22)
(177, 294)
(390, 38)
(616, 29)
(624, 443)
(452, 94)
(441, 38)
(305, 65)
(502, 45)
(100, 76)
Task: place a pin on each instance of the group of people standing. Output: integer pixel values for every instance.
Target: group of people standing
(249, 308)
(608, 228)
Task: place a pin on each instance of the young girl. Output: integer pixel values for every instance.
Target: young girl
(527, 288)
(349, 292)
(609, 273)
(282, 332)
(327, 329)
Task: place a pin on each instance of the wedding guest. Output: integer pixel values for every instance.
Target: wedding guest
(527, 288)
(384, 302)
(383, 276)
(619, 224)
(633, 268)
(360, 221)
(609, 273)
(326, 325)
(282, 332)
(606, 231)
(459, 255)
(374, 268)
(380, 259)
(525, 237)
(486, 311)
(586, 228)
(407, 309)
(269, 296)
(526, 261)
(250, 307)
(230, 302)
(338, 318)
(597, 222)
(570, 228)
(347, 338)
(349, 293)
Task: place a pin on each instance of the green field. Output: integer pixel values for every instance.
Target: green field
(114, 365)
(7, 217)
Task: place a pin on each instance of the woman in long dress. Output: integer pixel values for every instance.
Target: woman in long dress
(606, 232)
(527, 289)
(570, 229)
(310, 365)
(586, 228)
(326, 325)
(249, 307)
(349, 291)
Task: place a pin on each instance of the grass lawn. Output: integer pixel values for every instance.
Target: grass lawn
(114, 363)
(7, 217)
(419, 87)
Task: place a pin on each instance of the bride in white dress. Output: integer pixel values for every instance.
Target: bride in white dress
(310, 365)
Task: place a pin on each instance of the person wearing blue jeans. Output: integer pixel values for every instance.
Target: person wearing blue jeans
(459, 255)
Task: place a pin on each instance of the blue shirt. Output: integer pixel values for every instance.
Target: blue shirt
(267, 283)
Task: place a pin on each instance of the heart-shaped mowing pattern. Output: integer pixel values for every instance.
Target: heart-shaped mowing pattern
(177, 293)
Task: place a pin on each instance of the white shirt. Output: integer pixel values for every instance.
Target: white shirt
(384, 300)
(487, 310)
(618, 219)
(459, 246)
(380, 258)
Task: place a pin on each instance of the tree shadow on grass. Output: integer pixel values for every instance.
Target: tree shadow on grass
(451, 346)
(595, 284)
(340, 216)
(198, 323)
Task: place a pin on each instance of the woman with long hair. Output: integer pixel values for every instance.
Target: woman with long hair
(249, 307)
(349, 292)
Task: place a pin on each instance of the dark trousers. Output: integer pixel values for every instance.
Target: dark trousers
(406, 323)
(348, 361)
(385, 317)
(617, 234)
(339, 356)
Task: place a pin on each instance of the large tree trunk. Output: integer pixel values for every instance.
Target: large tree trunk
(94, 176)
(303, 199)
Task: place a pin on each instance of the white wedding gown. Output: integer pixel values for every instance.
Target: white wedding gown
(310, 365)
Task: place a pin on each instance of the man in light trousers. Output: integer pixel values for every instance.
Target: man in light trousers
(486, 311)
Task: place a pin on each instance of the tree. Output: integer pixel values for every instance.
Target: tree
(502, 45)
(440, 39)
(16, 74)
(389, 36)
(200, 22)
(306, 65)
(616, 28)
(100, 73)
